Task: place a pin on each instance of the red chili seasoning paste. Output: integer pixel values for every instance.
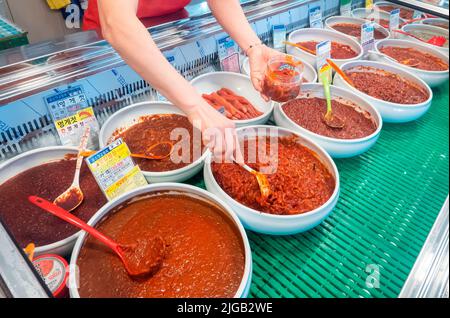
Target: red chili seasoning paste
(353, 29)
(415, 58)
(204, 254)
(442, 25)
(27, 222)
(338, 50)
(387, 86)
(167, 128)
(300, 182)
(309, 113)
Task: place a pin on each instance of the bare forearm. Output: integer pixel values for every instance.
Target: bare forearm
(230, 15)
(133, 42)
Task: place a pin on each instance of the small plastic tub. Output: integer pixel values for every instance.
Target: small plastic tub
(283, 78)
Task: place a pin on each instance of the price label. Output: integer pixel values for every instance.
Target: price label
(71, 114)
(323, 50)
(346, 7)
(228, 54)
(369, 4)
(279, 36)
(315, 17)
(367, 37)
(115, 171)
(394, 19)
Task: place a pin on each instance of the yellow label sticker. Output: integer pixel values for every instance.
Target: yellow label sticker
(369, 4)
(115, 171)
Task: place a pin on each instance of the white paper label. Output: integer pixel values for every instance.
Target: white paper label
(315, 18)
(279, 36)
(394, 19)
(367, 36)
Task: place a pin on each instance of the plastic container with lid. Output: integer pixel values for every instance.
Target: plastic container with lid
(54, 271)
(283, 78)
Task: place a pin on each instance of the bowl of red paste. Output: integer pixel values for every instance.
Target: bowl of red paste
(303, 179)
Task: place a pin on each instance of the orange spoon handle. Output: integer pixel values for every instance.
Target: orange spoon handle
(72, 219)
(340, 72)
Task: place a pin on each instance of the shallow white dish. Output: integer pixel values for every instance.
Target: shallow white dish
(31, 159)
(309, 34)
(337, 148)
(390, 112)
(432, 78)
(128, 116)
(427, 28)
(376, 15)
(244, 287)
(341, 19)
(269, 223)
(309, 72)
(239, 84)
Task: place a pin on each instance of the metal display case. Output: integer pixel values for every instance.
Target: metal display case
(390, 221)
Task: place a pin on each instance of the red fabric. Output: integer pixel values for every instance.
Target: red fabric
(146, 9)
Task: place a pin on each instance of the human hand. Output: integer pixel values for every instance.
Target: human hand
(218, 132)
(259, 57)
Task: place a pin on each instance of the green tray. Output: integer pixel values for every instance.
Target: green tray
(390, 197)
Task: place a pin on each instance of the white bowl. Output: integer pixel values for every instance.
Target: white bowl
(241, 85)
(31, 159)
(128, 116)
(320, 35)
(390, 112)
(244, 287)
(342, 19)
(432, 78)
(427, 28)
(369, 15)
(433, 21)
(309, 72)
(337, 148)
(386, 3)
(270, 223)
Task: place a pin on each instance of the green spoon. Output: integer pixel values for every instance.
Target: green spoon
(330, 119)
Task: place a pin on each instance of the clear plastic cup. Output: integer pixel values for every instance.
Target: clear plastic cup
(283, 78)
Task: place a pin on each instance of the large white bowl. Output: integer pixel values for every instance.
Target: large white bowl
(372, 15)
(390, 112)
(312, 34)
(269, 223)
(309, 72)
(427, 28)
(342, 19)
(377, 5)
(432, 78)
(433, 21)
(31, 159)
(128, 116)
(112, 206)
(241, 85)
(337, 148)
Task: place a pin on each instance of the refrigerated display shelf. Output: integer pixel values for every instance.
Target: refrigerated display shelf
(390, 198)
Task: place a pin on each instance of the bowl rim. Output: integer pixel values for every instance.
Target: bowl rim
(397, 69)
(151, 174)
(356, 19)
(331, 32)
(416, 45)
(246, 61)
(337, 140)
(247, 77)
(165, 186)
(57, 244)
(257, 213)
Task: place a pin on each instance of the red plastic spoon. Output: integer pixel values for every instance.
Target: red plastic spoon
(142, 258)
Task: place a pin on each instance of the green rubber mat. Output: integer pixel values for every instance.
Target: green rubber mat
(390, 197)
